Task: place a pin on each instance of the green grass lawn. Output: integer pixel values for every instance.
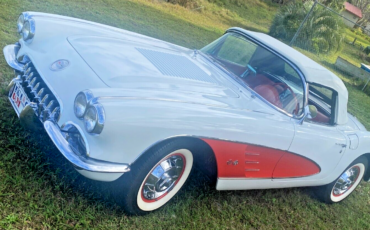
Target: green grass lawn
(361, 38)
(39, 189)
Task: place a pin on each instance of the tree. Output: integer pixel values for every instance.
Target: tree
(334, 4)
(322, 32)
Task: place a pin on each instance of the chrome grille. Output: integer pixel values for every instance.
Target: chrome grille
(43, 102)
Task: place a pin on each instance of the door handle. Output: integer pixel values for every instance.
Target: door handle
(342, 145)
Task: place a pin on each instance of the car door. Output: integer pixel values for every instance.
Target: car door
(322, 144)
(318, 138)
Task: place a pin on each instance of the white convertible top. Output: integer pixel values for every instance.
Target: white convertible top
(312, 71)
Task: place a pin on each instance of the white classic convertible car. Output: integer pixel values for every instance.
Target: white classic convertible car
(247, 110)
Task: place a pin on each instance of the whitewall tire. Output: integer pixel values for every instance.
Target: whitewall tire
(162, 195)
(346, 183)
(155, 178)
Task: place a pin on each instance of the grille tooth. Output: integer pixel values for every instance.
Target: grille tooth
(55, 110)
(27, 65)
(41, 93)
(52, 104)
(38, 94)
(28, 77)
(28, 70)
(45, 103)
(55, 113)
(32, 82)
(35, 88)
(45, 99)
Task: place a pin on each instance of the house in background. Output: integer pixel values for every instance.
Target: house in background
(352, 13)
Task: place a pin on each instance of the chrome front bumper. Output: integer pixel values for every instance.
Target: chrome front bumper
(81, 162)
(10, 53)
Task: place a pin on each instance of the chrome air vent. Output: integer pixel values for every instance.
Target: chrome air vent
(176, 65)
(43, 102)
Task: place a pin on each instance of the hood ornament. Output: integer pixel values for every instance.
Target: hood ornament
(59, 65)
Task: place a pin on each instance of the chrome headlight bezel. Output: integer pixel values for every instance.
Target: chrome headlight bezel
(28, 30)
(20, 23)
(23, 17)
(82, 99)
(94, 119)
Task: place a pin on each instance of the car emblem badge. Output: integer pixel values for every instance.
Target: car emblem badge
(59, 65)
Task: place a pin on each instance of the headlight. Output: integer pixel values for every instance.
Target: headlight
(28, 30)
(21, 20)
(94, 119)
(20, 23)
(81, 101)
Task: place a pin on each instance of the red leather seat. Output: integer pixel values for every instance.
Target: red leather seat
(321, 118)
(270, 93)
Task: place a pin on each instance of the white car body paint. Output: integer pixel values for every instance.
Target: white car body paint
(144, 107)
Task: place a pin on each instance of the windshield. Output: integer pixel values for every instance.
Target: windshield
(264, 72)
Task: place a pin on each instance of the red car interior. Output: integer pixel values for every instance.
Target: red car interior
(321, 118)
(265, 87)
(269, 89)
(270, 93)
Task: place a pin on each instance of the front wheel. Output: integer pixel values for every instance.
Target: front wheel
(155, 178)
(342, 187)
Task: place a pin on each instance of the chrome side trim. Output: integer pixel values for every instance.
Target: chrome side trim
(10, 54)
(85, 163)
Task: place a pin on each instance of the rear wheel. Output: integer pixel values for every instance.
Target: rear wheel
(155, 178)
(342, 187)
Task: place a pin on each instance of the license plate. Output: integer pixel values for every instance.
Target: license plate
(19, 98)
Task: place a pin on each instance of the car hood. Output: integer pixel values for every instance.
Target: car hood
(122, 63)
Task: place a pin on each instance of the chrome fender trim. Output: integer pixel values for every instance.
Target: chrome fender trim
(81, 162)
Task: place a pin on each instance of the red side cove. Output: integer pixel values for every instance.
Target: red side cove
(251, 161)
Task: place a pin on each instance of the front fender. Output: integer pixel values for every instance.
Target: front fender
(134, 125)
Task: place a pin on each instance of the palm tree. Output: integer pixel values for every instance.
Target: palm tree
(322, 32)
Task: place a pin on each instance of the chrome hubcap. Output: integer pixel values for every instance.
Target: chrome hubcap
(346, 181)
(163, 177)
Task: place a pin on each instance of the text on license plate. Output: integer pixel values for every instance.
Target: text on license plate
(19, 98)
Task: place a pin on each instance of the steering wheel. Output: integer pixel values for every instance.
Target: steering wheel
(286, 87)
